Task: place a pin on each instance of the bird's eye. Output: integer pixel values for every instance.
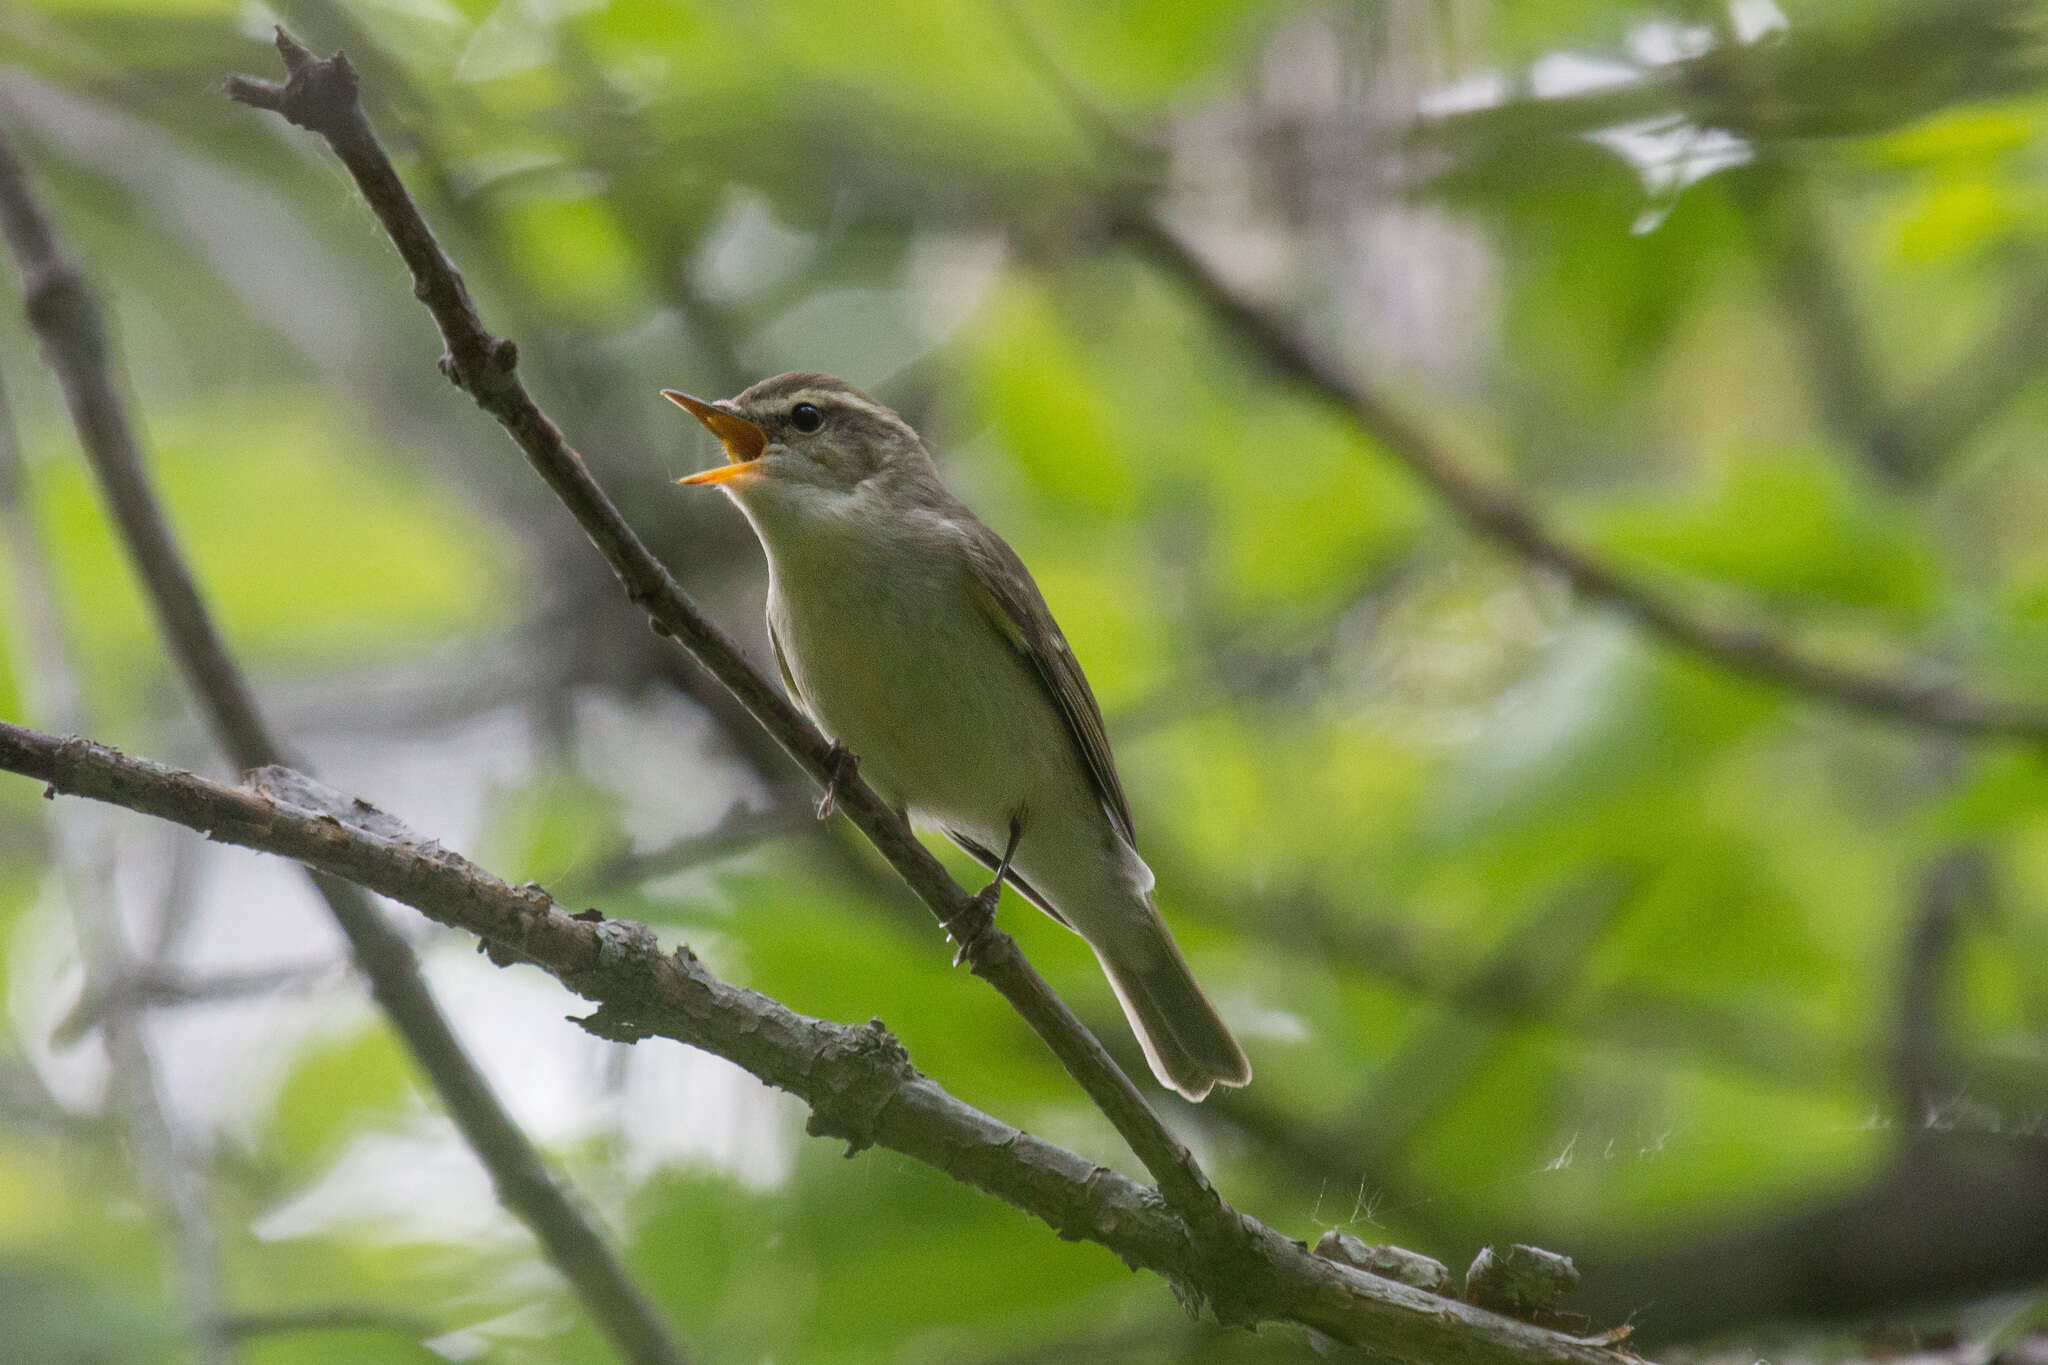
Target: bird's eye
(806, 418)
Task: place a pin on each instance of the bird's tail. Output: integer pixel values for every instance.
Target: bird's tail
(1185, 1041)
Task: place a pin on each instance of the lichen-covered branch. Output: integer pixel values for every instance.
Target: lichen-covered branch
(858, 1082)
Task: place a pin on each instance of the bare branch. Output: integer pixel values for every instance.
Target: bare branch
(858, 1082)
(1536, 964)
(151, 985)
(1903, 442)
(321, 95)
(738, 830)
(1496, 511)
(68, 324)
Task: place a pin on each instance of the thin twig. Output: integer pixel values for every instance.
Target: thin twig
(1539, 961)
(1820, 305)
(1496, 511)
(1937, 421)
(858, 1082)
(739, 829)
(326, 1318)
(67, 321)
(1923, 1065)
(146, 986)
(1904, 442)
(172, 1184)
(321, 95)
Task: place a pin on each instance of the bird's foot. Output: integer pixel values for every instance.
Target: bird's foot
(841, 765)
(974, 928)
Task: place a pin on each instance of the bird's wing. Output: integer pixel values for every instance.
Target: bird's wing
(981, 854)
(1012, 601)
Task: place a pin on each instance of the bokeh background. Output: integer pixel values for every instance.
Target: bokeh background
(1537, 928)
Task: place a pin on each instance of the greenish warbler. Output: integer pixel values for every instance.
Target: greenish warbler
(916, 639)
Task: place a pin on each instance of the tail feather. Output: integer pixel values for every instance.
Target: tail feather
(1186, 1043)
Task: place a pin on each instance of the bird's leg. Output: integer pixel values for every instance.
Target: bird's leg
(840, 766)
(970, 928)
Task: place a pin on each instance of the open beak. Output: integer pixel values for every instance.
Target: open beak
(743, 441)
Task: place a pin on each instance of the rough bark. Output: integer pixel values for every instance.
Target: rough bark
(858, 1081)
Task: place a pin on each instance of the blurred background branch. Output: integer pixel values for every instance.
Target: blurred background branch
(1496, 512)
(86, 853)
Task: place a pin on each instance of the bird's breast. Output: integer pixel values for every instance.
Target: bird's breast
(895, 660)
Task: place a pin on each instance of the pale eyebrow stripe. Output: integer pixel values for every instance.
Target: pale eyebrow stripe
(851, 402)
(839, 398)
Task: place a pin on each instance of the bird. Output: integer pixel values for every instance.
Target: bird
(917, 641)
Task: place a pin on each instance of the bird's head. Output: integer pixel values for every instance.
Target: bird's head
(803, 436)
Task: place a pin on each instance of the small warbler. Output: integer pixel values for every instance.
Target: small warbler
(918, 642)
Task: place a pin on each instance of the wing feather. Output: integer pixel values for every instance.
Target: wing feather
(981, 854)
(782, 667)
(1013, 603)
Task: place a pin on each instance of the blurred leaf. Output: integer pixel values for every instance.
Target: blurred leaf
(575, 255)
(1592, 743)
(1972, 133)
(333, 1090)
(306, 547)
(551, 826)
(55, 1319)
(829, 954)
(1593, 305)
(1048, 409)
(1792, 526)
(1959, 216)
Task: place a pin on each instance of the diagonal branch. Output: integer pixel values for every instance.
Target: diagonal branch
(145, 986)
(67, 322)
(1819, 304)
(1494, 510)
(321, 95)
(858, 1082)
(1941, 418)
(737, 831)
(1909, 441)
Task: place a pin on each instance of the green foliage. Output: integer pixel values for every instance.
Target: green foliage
(1794, 527)
(1532, 921)
(330, 1092)
(376, 563)
(59, 1319)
